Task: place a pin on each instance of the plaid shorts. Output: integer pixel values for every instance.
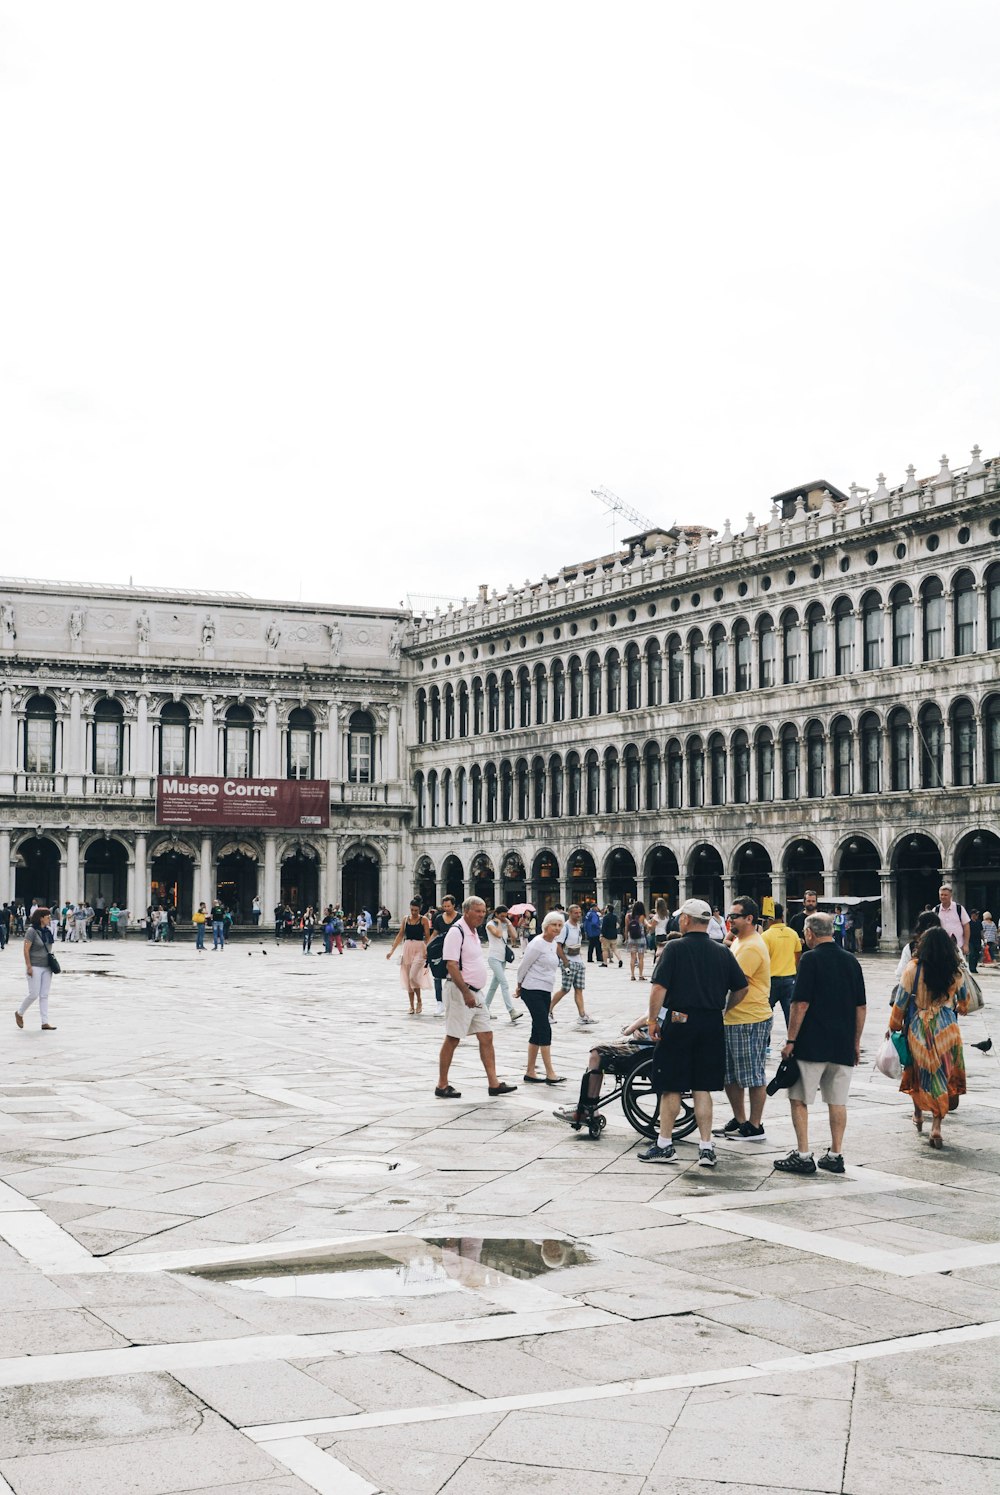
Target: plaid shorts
(746, 1051)
(574, 977)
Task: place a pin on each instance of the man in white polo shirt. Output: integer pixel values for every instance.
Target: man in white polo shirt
(464, 1009)
(953, 918)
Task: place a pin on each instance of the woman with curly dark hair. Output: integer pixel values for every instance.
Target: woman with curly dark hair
(928, 1000)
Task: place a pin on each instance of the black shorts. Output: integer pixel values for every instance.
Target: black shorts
(691, 1055)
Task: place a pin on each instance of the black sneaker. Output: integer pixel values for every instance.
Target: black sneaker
(706, 1157)
(831, 1164)
(750, 1133)
(657, 1154)
(795, 1163)
(730, 1129)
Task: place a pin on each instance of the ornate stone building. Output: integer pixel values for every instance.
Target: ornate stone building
(807, 702)
(104, 688)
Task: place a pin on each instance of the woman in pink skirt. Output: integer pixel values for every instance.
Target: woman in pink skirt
(414, 976)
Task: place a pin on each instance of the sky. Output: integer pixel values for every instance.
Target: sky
(355, 302)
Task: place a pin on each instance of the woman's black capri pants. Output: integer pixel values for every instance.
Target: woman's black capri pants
(537, 1003)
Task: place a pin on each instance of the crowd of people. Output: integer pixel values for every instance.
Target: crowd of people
(714, 985)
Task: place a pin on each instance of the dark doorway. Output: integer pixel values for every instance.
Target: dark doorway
(621, 886)
(453, 879)
(171, 884)
(860, 865)
(299, 882)
(662, 879)
(360, 883)
(425, 883)
(752, 873)
(37, 877)
(514, 883)
(918, 877)
(581, 879)
(105, 873)
(978, 867)
(544, 882)
(482, 880)
(803, 870)
(706, 876)
(236, 885)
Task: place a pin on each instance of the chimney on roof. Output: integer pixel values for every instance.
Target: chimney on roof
(483, 590)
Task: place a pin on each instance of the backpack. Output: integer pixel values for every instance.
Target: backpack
(634, 929)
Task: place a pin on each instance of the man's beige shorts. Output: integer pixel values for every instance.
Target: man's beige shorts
(459, 1020)
(833, 1081)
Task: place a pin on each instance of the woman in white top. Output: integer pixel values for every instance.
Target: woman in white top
(927, 920)
(501, 934)
(536, 976)
(989, 935)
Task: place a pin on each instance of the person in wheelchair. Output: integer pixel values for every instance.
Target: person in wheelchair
(606, 1058)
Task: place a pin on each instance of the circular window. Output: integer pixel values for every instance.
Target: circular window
(789, 577)
(995, 527)
(447, 659)
(574, 628)
(900, 552)
(845, 563)
(539, 637)
(420, 665)
(675, 603)
(717, 594)
(593, 625)
(434, 664)
(523, 641)
(506, 645)
(742, 589)
(493, 648)
(933, 541)
(461, 655)
(631, 614)
(612, 619)
(651, 610)
(815, 572)
(964, 535)
(557, 633)
(765, 585)
(695, 598)
(475, 651)
(872, 557)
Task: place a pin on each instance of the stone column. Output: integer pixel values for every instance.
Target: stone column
(331, 736)
(63, 890)
(948, 766)
(141, 762)
(269, 895)
(205, 743)
(890, 935)
(8, 750)
(392, 745)
(949, 625)
(271, 770)
(74, 880)
(6, 881)
(130, 894)
(204, 892)
(333, 888)
(141, 875)
(982, 622)
(778, 887)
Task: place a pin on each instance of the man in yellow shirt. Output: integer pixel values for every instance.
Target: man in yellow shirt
(785, 950)
(199, 920)
(748, 1028)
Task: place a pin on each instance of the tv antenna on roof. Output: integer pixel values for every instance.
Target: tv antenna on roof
(616, 506)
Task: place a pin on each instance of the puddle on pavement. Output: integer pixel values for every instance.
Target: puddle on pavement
(409, 1269)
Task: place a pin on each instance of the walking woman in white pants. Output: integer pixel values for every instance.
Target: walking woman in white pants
(38, 965)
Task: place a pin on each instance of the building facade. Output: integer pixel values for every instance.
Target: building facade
(811, 702)
(104, 688)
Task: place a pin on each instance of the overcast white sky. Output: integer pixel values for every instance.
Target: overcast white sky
(352, 300)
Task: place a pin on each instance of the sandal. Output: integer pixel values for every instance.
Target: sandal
(447, 1093)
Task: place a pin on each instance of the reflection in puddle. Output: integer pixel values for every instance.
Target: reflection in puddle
(409, 1269)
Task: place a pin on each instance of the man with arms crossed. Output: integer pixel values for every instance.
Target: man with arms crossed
(464, 1009)
(695, 979)
(828, 1018)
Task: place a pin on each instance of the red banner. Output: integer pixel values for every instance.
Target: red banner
(288, 804)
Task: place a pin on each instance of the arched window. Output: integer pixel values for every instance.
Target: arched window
(789, 763)
(900, 749)
(237, 743)
(575, 688)
(555, 785)
(696, 651)
(870, 732)
(538, 788)
(476, 794)
(521, 789)
(592, 767)
(40, 736)
(558, 691)
(463, 710)
(791, 647)
(816, 627)
(741, 767)
(541, 693)
(901, 605)
(992, 583)
(593, 685)
(675, 667)
(506, 792)
(963, 742)
(611, 781)
(871, 630)
(490, 778)
(965, 603)
(930, 728)
(696, 772)
(492, 704)
(633, 677)
(301, 743)
(360, 746)
(991, 737)
(421, 715)
(478, 713)
(630, 771)
(843, 636)
(815, 761)
(767, 651)
(613, 677)
(842, 745)
(435, 705)
(764, 747)
(719, 645)
(509, 702)
(717, 768)
(449, 712)
(175, 738)
(462, 797)
(432, 797)
(523, 697)
(744, 653)
(651, 762)
(574, 784)
(654, 674)
(932, 594)
(675, 775)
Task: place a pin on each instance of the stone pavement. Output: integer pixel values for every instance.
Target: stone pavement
(738, 1331)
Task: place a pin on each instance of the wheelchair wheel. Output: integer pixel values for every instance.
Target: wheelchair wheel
(641, 1104)
(597, 1125)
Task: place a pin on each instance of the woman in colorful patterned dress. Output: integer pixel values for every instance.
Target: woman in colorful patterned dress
(926, 1007)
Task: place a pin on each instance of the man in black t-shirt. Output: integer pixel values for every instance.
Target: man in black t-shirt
(797, 922)
(696, 979)
(824, 1035)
